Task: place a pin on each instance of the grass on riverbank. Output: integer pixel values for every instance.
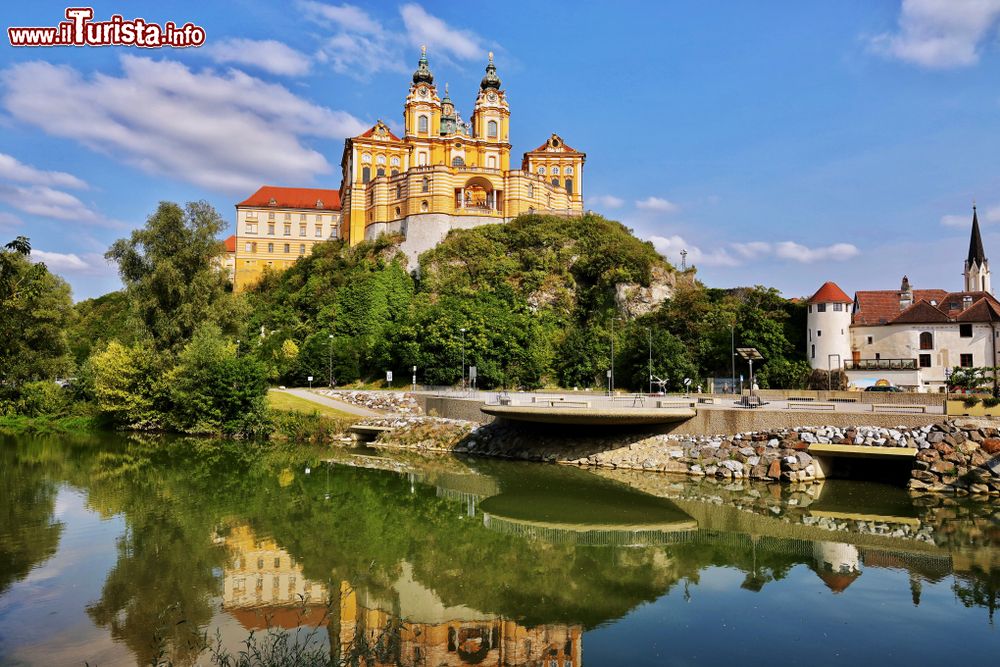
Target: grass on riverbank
(279, 400)
(48, 424)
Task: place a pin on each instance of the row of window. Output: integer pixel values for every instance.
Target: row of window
(251, 247)
(252, 217)
(555, 171)
(423, 126)
(251, 228)
(821, 307)
(380, 160)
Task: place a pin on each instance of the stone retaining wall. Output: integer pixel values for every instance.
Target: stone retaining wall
(952, 457)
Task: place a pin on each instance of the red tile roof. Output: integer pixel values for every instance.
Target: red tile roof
(370, 132)
(287, 618)
(881, 306)
(830, 292)
(922, 312)
(984, 310)
(929, 307)
(294, 198)
(230, 243)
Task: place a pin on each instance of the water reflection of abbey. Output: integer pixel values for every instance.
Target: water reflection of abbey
(263, 587)
(658, 541)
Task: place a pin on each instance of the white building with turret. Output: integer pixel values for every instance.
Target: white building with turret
(908, 337)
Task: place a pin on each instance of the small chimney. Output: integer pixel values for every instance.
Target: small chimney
(905, 294)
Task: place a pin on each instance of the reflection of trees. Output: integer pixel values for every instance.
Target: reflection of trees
(339, 524)
(28, 534)
(979, 589)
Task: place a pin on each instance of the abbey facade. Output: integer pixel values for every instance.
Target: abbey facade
(442, 174)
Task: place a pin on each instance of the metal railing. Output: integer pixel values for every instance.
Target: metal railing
(881, 365)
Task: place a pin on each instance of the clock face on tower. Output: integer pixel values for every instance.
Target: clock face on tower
(422, 91)
(492, 97)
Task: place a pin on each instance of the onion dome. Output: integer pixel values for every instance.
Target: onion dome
(491, 80)
(423, 72)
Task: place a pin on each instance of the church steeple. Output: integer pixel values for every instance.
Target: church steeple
(490, 80)
(977, 267)
(423, 72)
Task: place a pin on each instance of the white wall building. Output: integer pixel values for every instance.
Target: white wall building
(910, 338)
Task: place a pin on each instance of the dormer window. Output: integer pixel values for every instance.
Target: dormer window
(319, 203)
(272, 202)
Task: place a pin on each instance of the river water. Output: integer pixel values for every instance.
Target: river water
(120, 551)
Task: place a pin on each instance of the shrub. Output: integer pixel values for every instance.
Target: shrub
(991, 401)
(971, 401)
(44, 397)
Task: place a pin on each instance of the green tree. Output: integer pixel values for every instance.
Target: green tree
(212, 390)
(171, 275)
(126, 387)
(35, 308)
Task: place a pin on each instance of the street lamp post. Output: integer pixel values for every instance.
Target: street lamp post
(237, 347)
(463, 357)
(732, 347)
(330, 355)
(650, 333)
(611, 390)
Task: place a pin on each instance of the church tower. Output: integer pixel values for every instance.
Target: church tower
(422, 114)
(491, 120)
(977, 267)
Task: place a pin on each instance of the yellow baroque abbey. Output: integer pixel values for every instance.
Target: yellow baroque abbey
(442, 174)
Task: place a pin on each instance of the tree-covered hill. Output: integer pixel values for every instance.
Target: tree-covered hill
(536, 299)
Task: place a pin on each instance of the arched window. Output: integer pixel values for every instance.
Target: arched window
(457, 161)
(395, 172)
(422, 124)
(422, 159)
(399, 191)
(394, 161)
(555, 182)
(380, 172)
(366, 158)
(541, 170)
(491, 129)
(926, 340)
(569, 185)
(425, 185)
(380, 159)
(531, 189)
(366, 174)
(397, 211)
(569, 171)
(555, 170)
(424, 206)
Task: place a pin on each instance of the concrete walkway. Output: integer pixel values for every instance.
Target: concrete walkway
(332, 403)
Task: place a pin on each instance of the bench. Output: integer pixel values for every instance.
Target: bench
(889, 407)
(811, 405)
(675, 404)
(843, 400)
(707, 399)
(801, 398)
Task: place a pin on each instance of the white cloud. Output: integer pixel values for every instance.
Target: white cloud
(838, 252)
(987, 216)
(671, 246)
(424, 29)
(58, 261)
(605, 201)
(752, 249)
(656, 204)
(228, 132)
(9, 220)
(46, 202)
(361, 46)
(13, 170)
(939, 33)
(268, 55)
(736, 254)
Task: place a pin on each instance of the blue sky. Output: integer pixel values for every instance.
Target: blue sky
(782, 143)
